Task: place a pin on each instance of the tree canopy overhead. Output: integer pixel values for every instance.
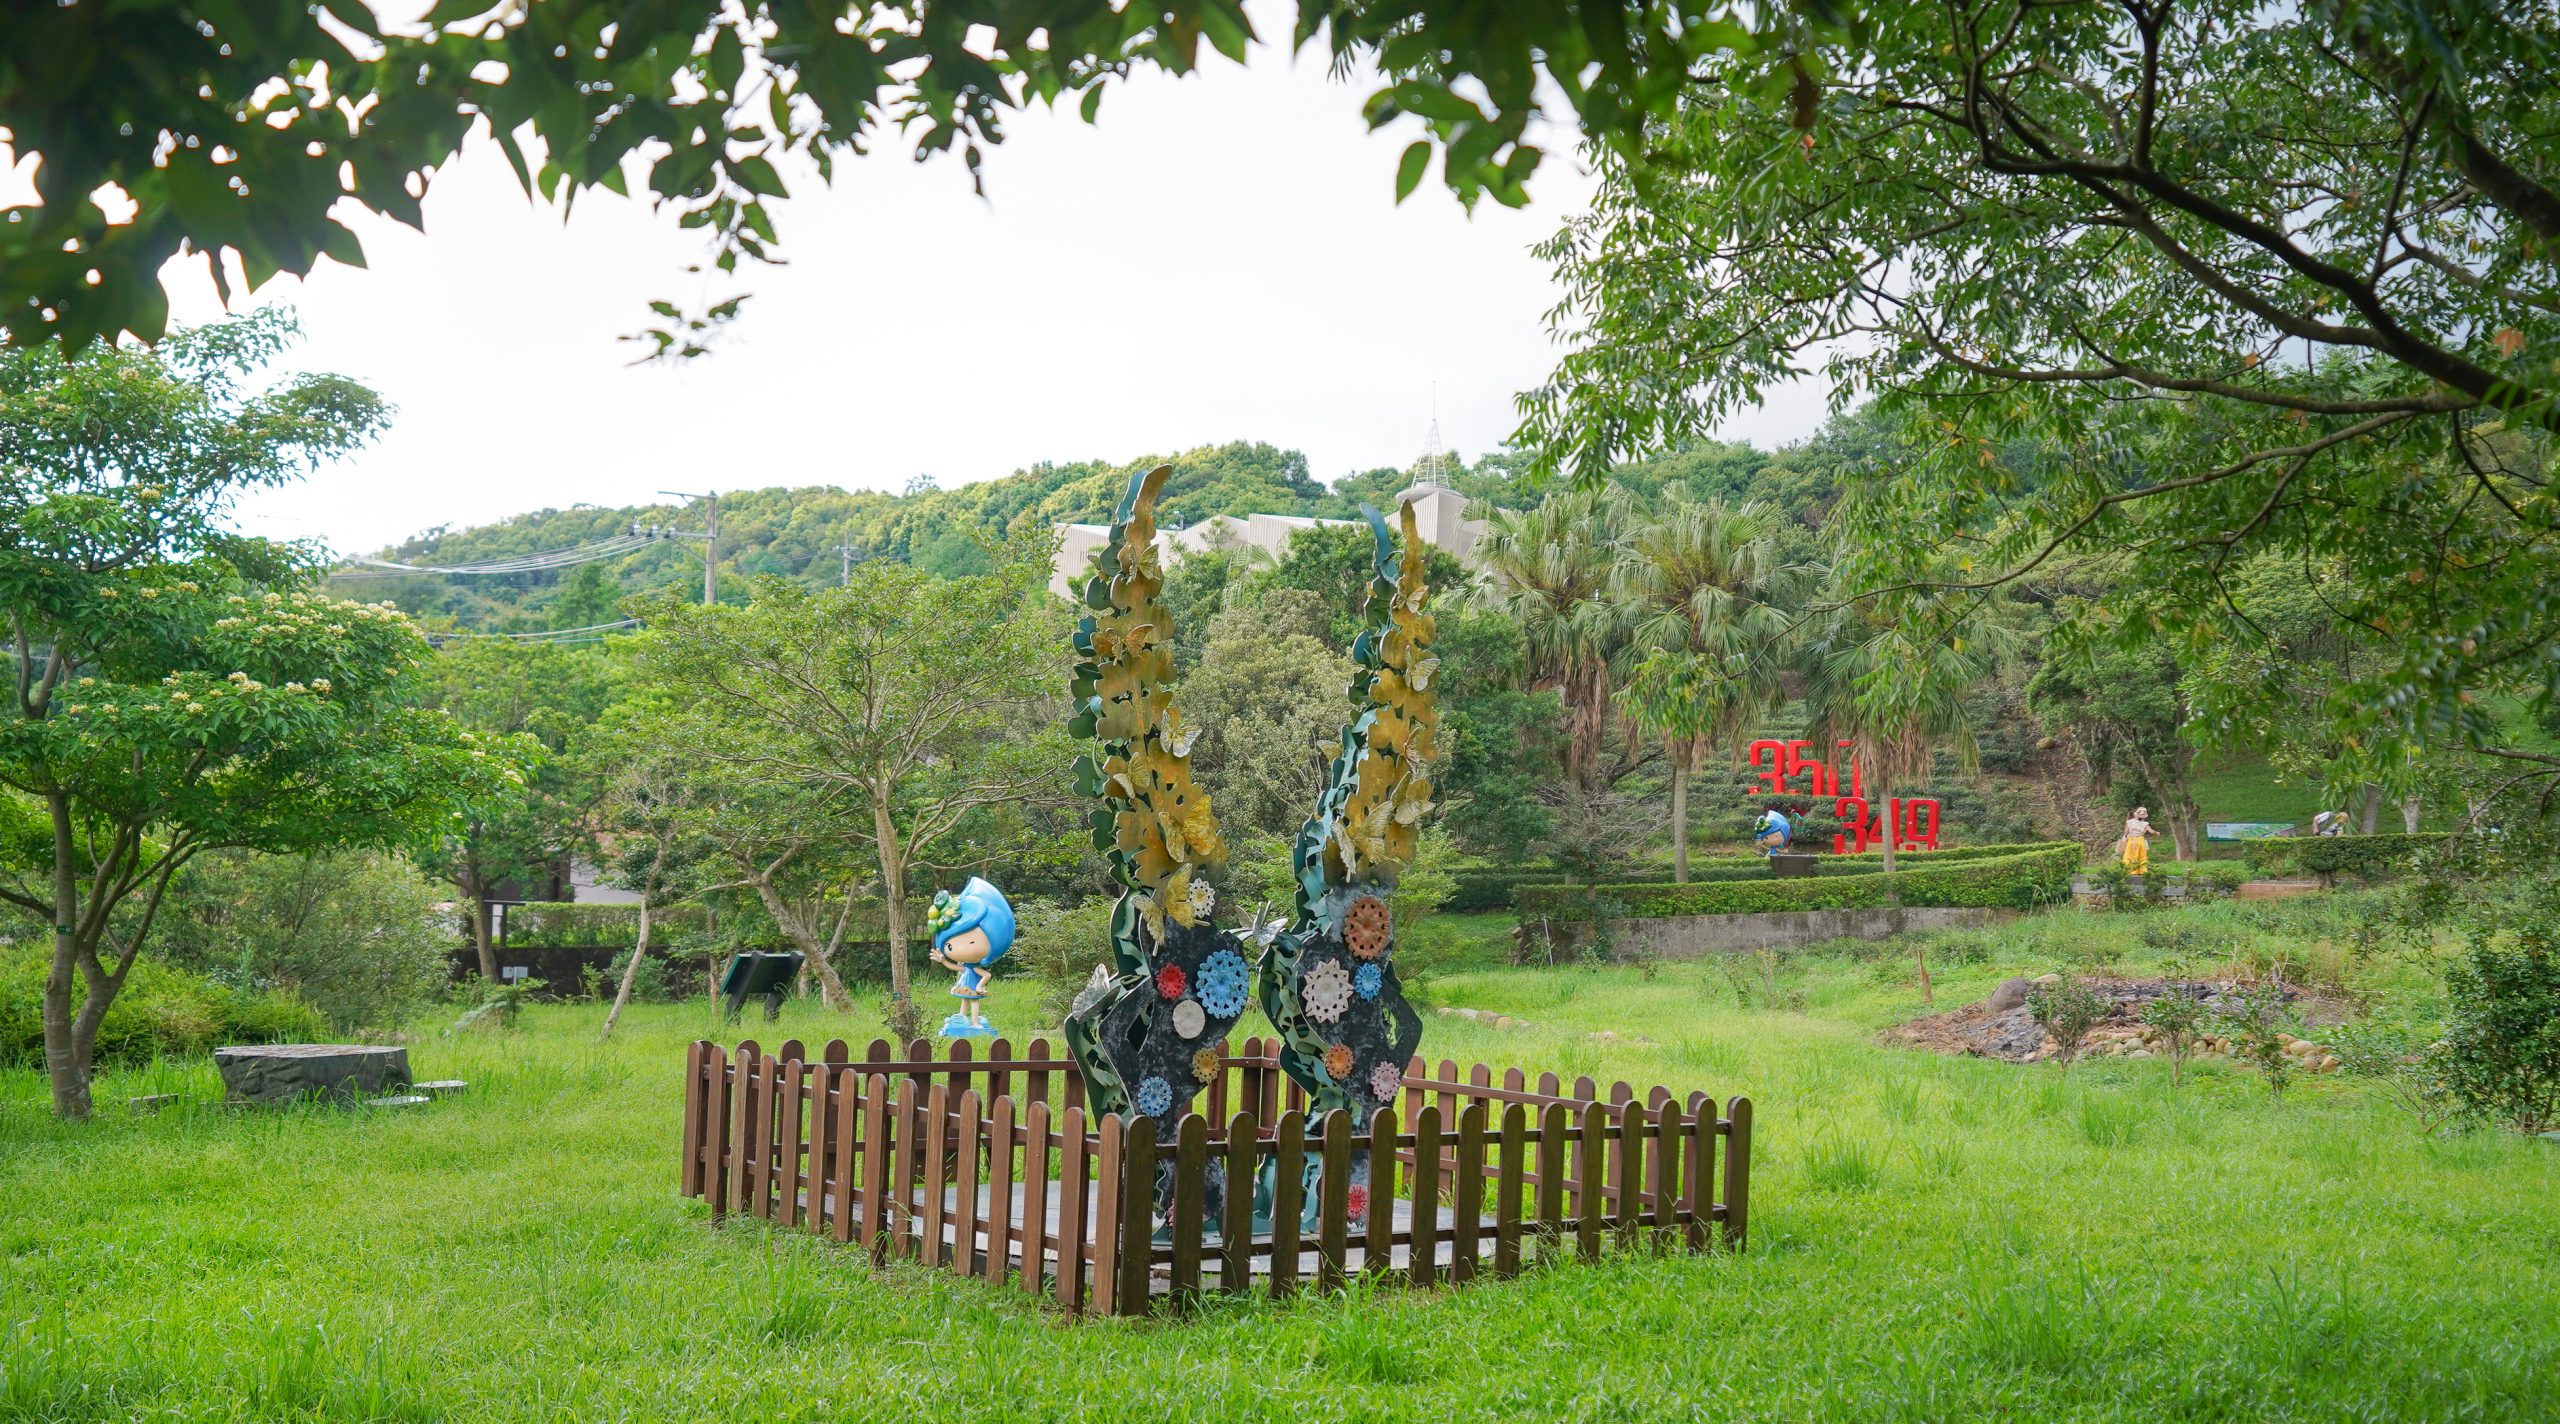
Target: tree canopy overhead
(213, 126)
(2207, 282)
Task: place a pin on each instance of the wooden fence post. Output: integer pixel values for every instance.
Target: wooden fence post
(1108, 1179)
(1235, 1225)
(1288, 1194)
(1075, 1197)
(1422, 1255)
(1003, 1228)
(1737, 1174)
(696, 1094)
(1333, 1201)
(1183, 1215)
(1466, 1194)
(1137, 1214)
(1378, 1250)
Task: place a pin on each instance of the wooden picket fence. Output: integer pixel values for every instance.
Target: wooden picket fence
(967, 1164)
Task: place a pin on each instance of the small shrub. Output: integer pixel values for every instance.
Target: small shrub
(163, 1012)
(2179, 1017)
(2067, 1012)
(650, 986)
(499, 1008)
(2257, 1031)
(2501, 1054)
(2409, 1072)
(1055, 949)
(1755, 977)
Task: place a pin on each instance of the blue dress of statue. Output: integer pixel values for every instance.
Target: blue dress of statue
(971, 930)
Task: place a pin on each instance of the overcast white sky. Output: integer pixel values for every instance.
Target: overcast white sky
(1221, 258)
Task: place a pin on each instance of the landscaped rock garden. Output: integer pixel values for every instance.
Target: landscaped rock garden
(2002, 1026)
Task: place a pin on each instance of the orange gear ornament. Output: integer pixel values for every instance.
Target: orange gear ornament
(1366, 927)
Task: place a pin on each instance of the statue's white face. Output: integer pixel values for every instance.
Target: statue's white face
(967, 947)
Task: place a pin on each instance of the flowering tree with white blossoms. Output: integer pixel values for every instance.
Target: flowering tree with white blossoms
(169, 690)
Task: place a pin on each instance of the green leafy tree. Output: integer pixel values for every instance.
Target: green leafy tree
(1333, 561)
(1885, 677)
(588, 597)
(1500, 743)
(244, 130)
(170, 691)
(892, 709)
(2179, 1018)
(2500, 1058)
(1702, 588)
(525, 837)
(2193, 282)
(1264, 703)
(1548, 570)
(2126, 709)
(652, 848)
(2067, 1012)
(360, 935)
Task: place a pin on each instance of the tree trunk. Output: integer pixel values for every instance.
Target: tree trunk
(893, 890)
(2185, 826)
(1884, 798)
(2368, 808)
(2410, 813)
(477, 897)
(830, 988)
(66, 1054)
(630, 972)
(1680, 816)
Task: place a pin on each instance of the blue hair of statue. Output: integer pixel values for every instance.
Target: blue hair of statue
(982, 907)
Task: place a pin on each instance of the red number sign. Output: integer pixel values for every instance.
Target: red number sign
(1913, 824)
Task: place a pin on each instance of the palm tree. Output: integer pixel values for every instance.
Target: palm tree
(1700, 592)
(1548, 569)
(1890, 679)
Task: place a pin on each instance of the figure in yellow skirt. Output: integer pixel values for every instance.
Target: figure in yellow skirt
(2137, 842)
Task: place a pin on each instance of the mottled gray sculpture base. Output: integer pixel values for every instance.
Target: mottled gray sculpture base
(282, 1072)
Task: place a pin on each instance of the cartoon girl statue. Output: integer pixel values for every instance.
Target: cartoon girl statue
(971, 930)
(1771, 833)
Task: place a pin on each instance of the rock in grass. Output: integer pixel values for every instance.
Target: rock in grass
(282, 1072)
(2011, 994)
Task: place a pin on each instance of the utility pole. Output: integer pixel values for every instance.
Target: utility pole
(710, 545)
(845, 580)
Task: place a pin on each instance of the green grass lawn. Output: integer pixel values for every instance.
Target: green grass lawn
(1933, 1239)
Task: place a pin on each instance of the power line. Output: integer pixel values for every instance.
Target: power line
(640, 537)
(593, 632)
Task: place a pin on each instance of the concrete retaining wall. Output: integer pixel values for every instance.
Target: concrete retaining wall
(1697, 936)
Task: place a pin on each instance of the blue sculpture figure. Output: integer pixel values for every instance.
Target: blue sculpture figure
(971, 930)
(1771, 833)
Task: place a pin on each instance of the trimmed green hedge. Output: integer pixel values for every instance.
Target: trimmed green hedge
(2019, 879)
(2367, 857)
(1495, 889)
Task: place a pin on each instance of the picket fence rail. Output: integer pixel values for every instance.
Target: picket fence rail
(966, 1164)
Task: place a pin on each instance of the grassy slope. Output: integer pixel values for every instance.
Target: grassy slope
(1933, 1239)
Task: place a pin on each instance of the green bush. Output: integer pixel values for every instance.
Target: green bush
(2019, 879)
(2365, 857)
(164, 1012)
(357, 936)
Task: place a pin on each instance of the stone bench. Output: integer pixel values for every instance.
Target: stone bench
(283, 1072)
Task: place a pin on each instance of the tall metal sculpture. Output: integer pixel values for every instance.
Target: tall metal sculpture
(1150, 1034)
(1328, 981)
(1149, 1038)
